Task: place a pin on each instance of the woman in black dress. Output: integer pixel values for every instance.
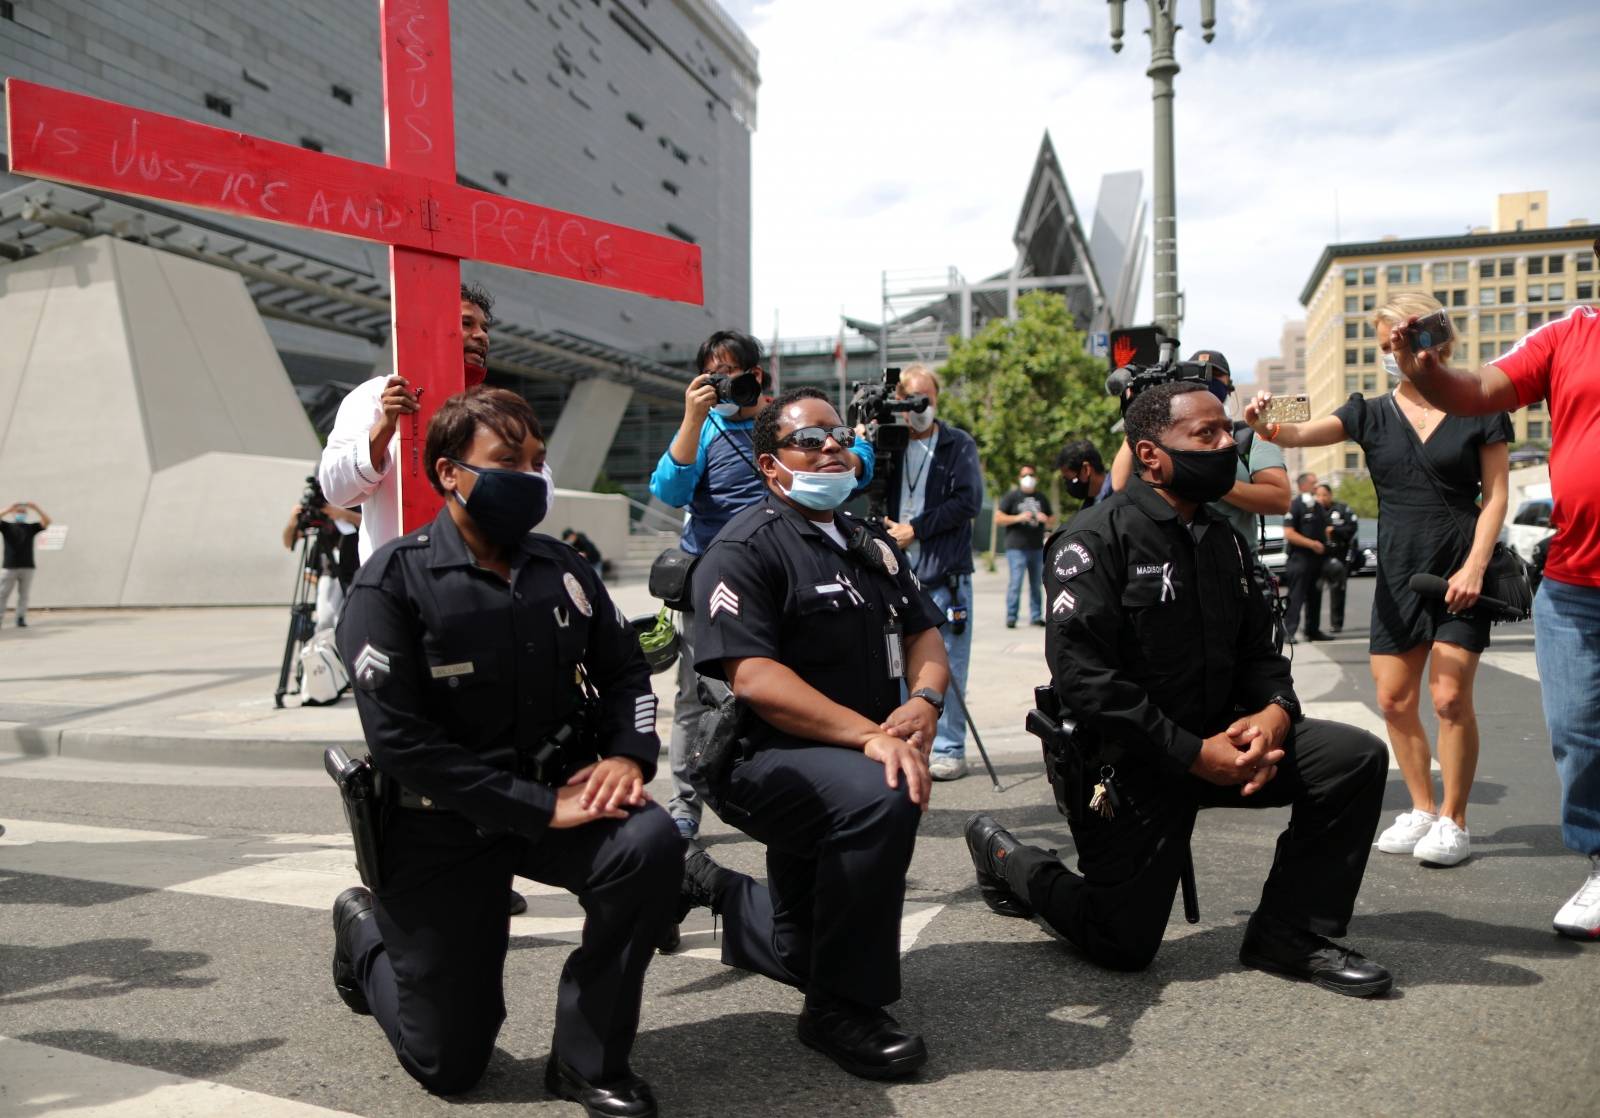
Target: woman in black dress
(1430, 470)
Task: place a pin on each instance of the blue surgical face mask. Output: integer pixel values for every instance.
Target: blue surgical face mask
(1391, 365)
(21, 518)
(821, 491)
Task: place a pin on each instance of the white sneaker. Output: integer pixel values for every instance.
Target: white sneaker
(1405, 832)
(1445, 844)
(1580, 916)
(947, 768)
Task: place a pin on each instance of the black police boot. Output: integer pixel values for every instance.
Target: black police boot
(990, 845)
(519, 903)
(702, 880)
(349, 908)
(1271, 945)
(863, 1040)
(627, 1097)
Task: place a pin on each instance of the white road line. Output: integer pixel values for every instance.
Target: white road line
(1359, 715)
(42, 1080)
(699, 942)
(1517, 663)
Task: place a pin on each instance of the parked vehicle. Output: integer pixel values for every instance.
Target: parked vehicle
(1530, 524)
(1273, 553)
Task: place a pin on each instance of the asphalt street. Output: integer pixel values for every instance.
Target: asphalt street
(164, 949)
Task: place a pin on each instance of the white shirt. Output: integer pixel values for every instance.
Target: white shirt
(347, 474)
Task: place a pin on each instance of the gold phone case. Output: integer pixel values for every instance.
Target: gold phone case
(1289, 409)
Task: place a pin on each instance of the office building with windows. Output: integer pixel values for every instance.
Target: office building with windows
(1498, 284)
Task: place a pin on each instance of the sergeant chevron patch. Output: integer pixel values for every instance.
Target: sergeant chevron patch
(723, 600)
(1065, 603)
(644, 713)
(372, 668)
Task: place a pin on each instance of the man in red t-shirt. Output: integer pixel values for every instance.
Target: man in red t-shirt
(1560, 363)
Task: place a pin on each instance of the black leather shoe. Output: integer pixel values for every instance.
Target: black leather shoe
(627, 1097)
(862, 1040)
(1301, 954)
(1318, 635)
(349, 908)
(990, 845)
(519, 903)
(702, 879)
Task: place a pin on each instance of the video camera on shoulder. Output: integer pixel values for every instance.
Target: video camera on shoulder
(875, 405)
(1142, 357)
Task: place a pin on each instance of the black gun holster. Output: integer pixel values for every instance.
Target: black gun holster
(1063, 763)
(719, 742)
(364, 810)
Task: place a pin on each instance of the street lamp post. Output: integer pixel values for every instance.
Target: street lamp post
(1163, 68)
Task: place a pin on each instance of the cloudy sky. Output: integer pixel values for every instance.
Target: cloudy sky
(901, 135)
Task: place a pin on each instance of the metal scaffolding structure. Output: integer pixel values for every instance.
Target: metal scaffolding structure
(296, 288)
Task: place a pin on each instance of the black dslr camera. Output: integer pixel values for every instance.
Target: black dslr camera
(743, 389)
(874, 405)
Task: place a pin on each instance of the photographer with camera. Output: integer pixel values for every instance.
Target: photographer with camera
(710, 471)
(509, 713)
(1430, 471)
(1159, 647)
(930, 509)
(333, 531)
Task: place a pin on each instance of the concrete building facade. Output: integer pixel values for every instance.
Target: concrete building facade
(1498, 284)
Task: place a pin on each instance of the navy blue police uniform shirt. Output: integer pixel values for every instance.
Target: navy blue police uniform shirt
(453, 668)
(775, 585)
(1158, 635)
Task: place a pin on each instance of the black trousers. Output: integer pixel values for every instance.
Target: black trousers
(1116, 912)
(1336, 596)
(839, 841)
(1302, 569)
(431, 962)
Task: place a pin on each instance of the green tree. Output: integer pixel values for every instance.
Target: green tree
(1025, 389)
(1358, 493)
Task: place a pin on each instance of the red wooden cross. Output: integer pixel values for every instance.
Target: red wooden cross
(415, 205)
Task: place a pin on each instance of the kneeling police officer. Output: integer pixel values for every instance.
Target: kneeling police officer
(1159, 646)
(816, 623)
(482, 655)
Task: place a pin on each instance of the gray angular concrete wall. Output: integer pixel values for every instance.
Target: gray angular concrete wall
(145, 409)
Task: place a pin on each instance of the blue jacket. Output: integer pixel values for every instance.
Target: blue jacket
(952, 499)
(722, 480)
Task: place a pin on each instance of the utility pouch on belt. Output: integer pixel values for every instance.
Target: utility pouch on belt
(570, 747)
(671, 578)
(362, 810)
(719, 740)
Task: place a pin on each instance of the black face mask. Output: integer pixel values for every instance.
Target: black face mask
(1077, 488)
(506, 504)
(1202, 475)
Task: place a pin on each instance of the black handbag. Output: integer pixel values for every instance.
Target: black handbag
(1506, 577)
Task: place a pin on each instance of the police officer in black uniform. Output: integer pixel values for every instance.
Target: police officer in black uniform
(466, 641)
(1305, 534)
(1343, 558)
(816, 622)
(1159, 647)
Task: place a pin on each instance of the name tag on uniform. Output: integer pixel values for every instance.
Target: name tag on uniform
(445, 671)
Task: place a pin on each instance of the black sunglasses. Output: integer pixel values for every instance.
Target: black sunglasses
(815, 438)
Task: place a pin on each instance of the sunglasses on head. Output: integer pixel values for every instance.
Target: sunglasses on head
(815, 438)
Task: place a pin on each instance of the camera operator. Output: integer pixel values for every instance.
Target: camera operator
(1343, 558)
(333, 559)
(817, 625)
(930, 510)
(467, 641)
(1167, 725)
(710, 470)
(1083, 472)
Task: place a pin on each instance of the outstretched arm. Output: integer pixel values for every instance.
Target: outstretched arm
(1481, 392)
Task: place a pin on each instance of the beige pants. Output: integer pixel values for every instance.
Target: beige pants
(22, 579)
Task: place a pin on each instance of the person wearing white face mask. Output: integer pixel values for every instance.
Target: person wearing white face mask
(1431, 472)
(813, 619)
(1026, 515)
(931, 506)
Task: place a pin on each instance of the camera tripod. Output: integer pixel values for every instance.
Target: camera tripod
(303, 605)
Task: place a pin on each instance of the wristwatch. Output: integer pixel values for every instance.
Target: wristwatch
(1290, 707)
(932, 697)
